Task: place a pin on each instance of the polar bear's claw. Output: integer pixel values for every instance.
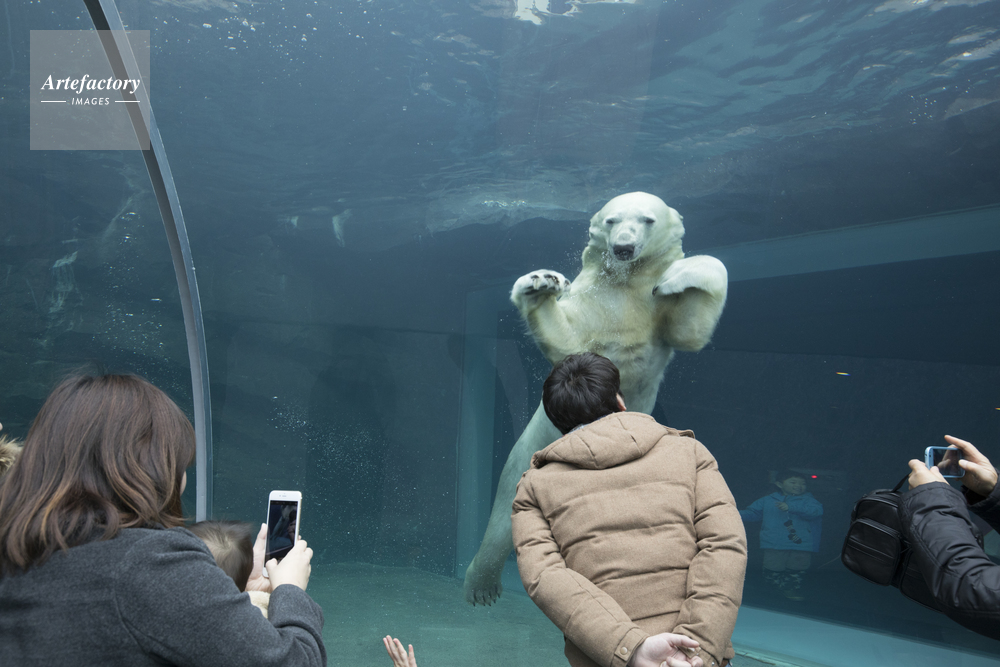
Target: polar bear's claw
(540, 283)
(482, 587)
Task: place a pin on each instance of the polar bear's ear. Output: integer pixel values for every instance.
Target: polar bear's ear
(675, 220)
(598, 233)
(597, 238)
(668, 232)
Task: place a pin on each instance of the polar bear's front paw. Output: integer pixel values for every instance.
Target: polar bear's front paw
(700, 272)
(537, 284)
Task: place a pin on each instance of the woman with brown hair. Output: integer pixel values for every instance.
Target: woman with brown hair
(95, 568)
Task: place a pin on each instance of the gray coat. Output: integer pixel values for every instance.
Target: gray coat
(150, 597)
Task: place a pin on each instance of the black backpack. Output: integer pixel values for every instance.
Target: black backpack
(876, 550)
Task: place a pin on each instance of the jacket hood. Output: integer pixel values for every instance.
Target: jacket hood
(608, 442)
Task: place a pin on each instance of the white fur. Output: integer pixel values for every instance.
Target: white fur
(635, 310)
(636, 300)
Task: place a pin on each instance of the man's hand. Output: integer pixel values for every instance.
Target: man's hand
(257, 580)
(921, 475)
(980, 475)
(667, 650)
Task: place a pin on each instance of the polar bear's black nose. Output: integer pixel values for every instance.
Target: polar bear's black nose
(624, 252)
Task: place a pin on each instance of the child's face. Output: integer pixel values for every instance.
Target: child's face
(793, 486)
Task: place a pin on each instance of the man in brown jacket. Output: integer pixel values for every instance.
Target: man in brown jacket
(626, 530)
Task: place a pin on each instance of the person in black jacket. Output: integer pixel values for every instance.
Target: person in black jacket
(945, 542)
(95, 566)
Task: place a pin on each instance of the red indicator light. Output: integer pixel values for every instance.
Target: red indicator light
(815, 477)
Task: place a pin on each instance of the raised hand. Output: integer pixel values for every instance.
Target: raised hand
(980, 475)
(400, 658)
(921, 475)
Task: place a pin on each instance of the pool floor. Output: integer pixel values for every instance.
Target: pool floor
(362, 603)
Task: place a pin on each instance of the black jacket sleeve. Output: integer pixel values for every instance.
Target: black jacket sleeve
(987, 508)
(945, 543)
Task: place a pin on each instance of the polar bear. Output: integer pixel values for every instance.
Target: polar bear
(636, 300)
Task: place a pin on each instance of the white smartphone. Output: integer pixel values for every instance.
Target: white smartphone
(284, 510)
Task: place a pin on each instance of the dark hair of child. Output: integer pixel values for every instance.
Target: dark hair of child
(231, 544)
(787, 474)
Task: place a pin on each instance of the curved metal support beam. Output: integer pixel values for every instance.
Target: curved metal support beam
(114, 38)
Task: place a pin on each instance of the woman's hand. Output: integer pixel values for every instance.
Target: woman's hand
(980, 475)
(399, 656)
(257, 580)
(293, 569)
(921, 475)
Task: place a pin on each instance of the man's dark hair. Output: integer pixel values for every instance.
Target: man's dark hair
(231, 543)
(580, 389)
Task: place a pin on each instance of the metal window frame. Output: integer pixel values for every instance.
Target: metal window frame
(114, 38)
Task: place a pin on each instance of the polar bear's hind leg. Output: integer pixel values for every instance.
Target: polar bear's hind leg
(482, 578)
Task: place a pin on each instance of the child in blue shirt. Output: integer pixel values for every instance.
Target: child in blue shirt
(789, 533)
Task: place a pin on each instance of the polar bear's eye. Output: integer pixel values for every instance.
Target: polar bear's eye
(610, 221)
(648, 221)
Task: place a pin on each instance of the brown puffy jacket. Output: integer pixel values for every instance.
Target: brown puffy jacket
(625, 529)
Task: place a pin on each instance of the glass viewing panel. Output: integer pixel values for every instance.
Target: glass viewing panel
(363, 182)
(86, 279)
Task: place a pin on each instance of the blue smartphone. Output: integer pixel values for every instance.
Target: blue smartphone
(946, 459)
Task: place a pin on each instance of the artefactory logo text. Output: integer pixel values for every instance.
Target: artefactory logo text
(78, 102)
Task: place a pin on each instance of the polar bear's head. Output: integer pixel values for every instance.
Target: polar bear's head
(635, 225)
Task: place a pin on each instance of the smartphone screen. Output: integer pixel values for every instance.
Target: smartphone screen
(946, 459)
(282, 524)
